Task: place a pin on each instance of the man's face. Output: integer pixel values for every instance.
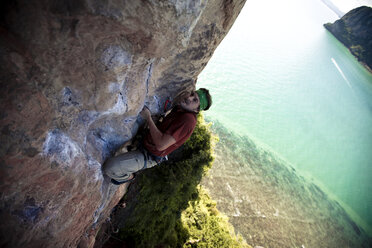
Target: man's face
(190, 102)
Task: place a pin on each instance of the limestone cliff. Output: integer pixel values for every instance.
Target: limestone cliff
(74, 76)
(354, 30)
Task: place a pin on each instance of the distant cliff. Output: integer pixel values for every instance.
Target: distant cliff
(354, 30)
(74, 75)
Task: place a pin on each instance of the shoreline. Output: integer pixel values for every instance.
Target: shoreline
(362, 63)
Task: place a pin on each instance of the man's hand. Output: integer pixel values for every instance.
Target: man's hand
(145, 113)
(161, 140)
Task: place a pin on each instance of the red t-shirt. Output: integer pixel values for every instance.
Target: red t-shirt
(179, 124)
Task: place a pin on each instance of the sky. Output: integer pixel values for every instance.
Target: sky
(347, 5)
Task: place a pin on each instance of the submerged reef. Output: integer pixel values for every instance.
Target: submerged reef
(354, 30)
(273, 205)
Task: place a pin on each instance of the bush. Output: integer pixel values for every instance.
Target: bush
(207, 227)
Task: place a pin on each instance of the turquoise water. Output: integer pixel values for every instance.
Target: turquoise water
(280, 78)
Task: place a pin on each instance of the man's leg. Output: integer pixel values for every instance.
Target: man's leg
(150, 161)
(121, 168)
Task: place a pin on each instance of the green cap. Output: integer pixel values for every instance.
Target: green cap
(202, 99)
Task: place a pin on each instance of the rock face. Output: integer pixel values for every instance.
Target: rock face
(354, 30)
(74, 76)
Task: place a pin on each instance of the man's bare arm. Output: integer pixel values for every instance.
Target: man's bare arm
(161, 140)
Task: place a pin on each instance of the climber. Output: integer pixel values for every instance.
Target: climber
(161, 139)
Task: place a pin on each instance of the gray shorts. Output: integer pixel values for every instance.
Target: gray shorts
(120, 168)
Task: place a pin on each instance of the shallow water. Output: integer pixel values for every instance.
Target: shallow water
(281, 79)
(270, 204)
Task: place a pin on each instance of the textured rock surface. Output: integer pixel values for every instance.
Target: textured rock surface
(74, 76)
(354, 30)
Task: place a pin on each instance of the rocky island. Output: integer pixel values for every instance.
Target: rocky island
(354, 30)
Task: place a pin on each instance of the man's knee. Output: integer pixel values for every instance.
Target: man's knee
(108, 166)
(125, 163)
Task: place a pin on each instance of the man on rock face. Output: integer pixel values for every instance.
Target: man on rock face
(162, 139)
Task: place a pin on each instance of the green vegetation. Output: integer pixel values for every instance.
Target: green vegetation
(207, 227)
(358, 51)
(166, 207)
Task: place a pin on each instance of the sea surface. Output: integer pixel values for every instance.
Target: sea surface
(282, 81)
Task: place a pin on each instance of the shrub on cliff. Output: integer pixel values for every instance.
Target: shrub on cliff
(206, 226)
(166, 206)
